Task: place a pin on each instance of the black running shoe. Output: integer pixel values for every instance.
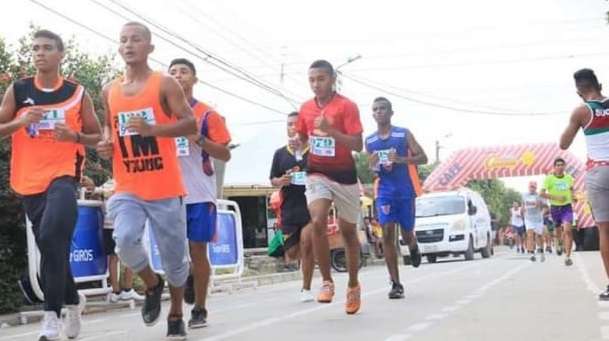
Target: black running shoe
(189, 290)
(549, 249)
(533, 259)
(559, 250)
(568, 262)
(198, 318)
(415, 257)
(397, 291)
(604, 296)
(152, 303)
(176, 330)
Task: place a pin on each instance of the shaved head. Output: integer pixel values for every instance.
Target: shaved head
(145, 30)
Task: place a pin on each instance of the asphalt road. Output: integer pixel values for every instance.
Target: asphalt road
(506, 297)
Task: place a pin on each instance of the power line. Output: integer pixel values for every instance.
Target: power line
(242, 39)
(96, 32)
(487, 62)
(446, 99)
(447, 107)
(209, 58)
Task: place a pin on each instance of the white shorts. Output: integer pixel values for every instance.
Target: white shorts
(345, 197)
(536, 226)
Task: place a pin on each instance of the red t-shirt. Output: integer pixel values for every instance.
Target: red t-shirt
(327, 156)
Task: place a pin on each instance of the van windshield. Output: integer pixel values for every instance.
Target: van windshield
(437, 206)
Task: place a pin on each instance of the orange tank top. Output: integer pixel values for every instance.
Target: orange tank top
(144, 166)
(37, 158)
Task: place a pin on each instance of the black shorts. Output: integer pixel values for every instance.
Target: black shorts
(109, 243)
(291, 235)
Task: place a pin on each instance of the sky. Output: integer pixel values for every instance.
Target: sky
(466, 73)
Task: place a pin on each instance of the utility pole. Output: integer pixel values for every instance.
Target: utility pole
(339, 80)
(438, 151)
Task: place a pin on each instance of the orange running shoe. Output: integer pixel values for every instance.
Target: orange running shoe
(326, 292)
(353, 300)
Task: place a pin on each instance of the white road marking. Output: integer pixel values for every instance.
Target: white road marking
(277, 319)
(420, 326)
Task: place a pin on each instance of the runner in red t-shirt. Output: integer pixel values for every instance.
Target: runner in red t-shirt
(331, 124)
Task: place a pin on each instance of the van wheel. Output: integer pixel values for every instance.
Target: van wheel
(432, 258)
(486, 251)
(407, 260)
(469, 254)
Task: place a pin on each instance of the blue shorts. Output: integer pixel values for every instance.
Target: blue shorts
(396, 210)
(201, 221)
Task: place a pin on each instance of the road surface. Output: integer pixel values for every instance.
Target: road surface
(506, 297)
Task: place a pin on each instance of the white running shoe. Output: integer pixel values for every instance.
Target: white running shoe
(51, 327)
(130, 295)
(72, 322)
(306, 296)
(114, 298)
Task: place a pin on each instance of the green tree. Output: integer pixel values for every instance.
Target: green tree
(90, 71)
(498, 198)
(426, 170)
(364, 173)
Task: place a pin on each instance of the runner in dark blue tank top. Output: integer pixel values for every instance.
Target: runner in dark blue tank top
(393, 154)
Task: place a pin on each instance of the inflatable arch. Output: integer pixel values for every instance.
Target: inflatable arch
(509, 161)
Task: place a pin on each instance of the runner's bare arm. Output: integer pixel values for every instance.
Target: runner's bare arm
(216, 149)
(174, 102)
(91, 129)
(104, 147)
(418, 156)
(575, 122)
(8, 122)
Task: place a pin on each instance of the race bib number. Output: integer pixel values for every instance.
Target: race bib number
(384, 156)
(123, 118)
(299, 178)
(50, 118)
(561, 186)
(323, 146)
(531, 203)
(182, 146)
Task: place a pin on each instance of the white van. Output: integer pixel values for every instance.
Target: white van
(452, 223)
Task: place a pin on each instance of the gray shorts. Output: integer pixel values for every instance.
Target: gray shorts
(167, 219)
(345, 197)
(597, 188)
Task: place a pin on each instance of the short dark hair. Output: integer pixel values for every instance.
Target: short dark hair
(323, 64)
(147, 32)
(558, 160)
(293, 114)
(585, 80)
(186, 62)
(50, 35)
(383, 99)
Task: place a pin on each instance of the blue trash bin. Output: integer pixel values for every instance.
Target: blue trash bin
(87, 257)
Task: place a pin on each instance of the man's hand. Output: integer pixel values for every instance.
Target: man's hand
(373, 160)
(322, 124)
(140, 126)
(87, 183)
(64, 134)
(393, 156)
(34, 115)
(285, 180)
(105, 149)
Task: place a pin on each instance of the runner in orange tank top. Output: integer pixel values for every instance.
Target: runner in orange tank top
(49, 120)
(145, 111)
